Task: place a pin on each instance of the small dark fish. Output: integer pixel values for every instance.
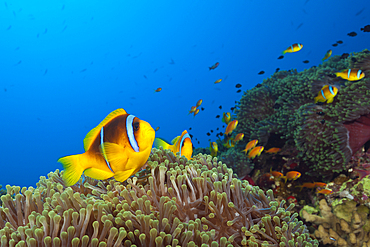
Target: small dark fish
(339, 42)
(211, 131)
(214, 66)
(239, 91)
(208, 134)
(155, 70)
(344, 56)
(190, 128)
(334, 45)
(191, 136)
(19, 62)
(172, 62)
(218, 116)
(277, 69)
(299, 26)
(145, 77)
(217, 129)
(352, 34)
(353, 59)
(306, 61)
(359, 13)
(46, 71)
(198, 142)
(220, 134)
(83, 70)
(202, 108)
(261, 72)
(238, 85)
(366, 28)
(137, 55)
(9, 27)
(220, 107)
(232, 108)
(281, 57)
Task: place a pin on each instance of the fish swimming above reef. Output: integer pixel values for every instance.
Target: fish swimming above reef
(214, 66)
(118, 147)
(351, 74)
(327, 93)
(231, 126)
(255, 152)
(180, 144)
(250, 145)
(293, 48)
(327, 55)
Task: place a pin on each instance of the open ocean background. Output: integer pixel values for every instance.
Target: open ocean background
(65, 65)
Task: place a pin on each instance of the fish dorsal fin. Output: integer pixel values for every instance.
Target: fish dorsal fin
(90, 137)
(174, 140)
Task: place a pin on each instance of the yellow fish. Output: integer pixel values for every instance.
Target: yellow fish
(255, 152)
(327, 55)
(327, 93)
(213, 148)
(218, 81)
(180, 144)
(292, 175)
(226, 117)
(118, 147)
(293, 48)
(250, 145)
(230, 127)
(199, 103)
(351, 74)
(239, 137)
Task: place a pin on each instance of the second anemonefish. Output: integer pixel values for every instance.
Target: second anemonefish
(213, 148)
(214, 66)
(293, 48)
(180, 144)
(327, 55)
(351, 74)
(273, 150)
(118, 147)
(218, 81)
(327, 93)
(230, 127)
(250, 145)
(158, 89)
(230, 143)
(226, 117)
(255, 152)
(292, 175)
(239, 137)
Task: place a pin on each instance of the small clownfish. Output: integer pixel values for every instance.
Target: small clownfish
(230, 143)
(292, 175)
(193, 109)
(218, 81)
(327, 55)
(180, 144)
(293, 48)
(196, 112)
(226, 117)
(273, 150)
(158, 89)
(199, 103)
(213, 148)
(230, 127)
(239, 137)
(351, 74)
(214, 66)
(250, 145)
(324, 191)
(118, 147)
(255, 152)
(327, 93)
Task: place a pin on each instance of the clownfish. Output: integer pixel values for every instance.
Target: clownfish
(293, 48)
(327, 55)
(226, 117)
(118, 147)
(213, 148)
(351, 74)
(230, 143)
(180, 144)
(255, 152)
(327, 93)
(214, 66)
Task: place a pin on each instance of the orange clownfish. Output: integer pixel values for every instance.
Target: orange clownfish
(250, 145)
(158, 89)
(213, 148)
(293, 48)
(230, 127)
(180, 144)
(255, 152)
(292, 175)
(196, 112)
(199, 103)
(327, 93)
(218, 81)
(351, 74)
(230, 143)
(327, 55)
(226, 117)
(118, 147)
(273, 150)
(214, 66)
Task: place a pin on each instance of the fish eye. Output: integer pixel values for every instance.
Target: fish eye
(136, 126)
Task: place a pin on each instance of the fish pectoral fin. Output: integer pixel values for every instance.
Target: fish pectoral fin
(115, 154)
(330, 100)
(98, 173)
(121, 176)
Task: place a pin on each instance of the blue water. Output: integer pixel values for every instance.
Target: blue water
(66, 64)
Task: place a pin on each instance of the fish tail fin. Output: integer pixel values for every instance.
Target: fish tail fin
(158, 142)
(285, 178)
(283, 52)
(210, 68)
(72, 168)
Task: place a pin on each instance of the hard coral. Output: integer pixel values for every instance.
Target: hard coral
(178, 203)
(281, 112)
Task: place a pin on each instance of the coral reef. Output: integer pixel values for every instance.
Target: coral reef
(173, 202)
(343, 224)
(280, 112)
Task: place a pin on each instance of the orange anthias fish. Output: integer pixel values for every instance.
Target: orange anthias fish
(255, 152)
(118, 147)
(218, 81)
(307, 185)
(239, 137)
(199, 103)
(273, 150)
(250, 145)
(158, 89)
(196, 112)
(324, 191)
(327, 93)
(293, 48)
(351, 74)
(193, 109)
(213, 148)
(226, 117)
(180, 144)
(292, 175)
(276, 174)
(327, 55)
(214, 66)
(231, 126)
(320, 184)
